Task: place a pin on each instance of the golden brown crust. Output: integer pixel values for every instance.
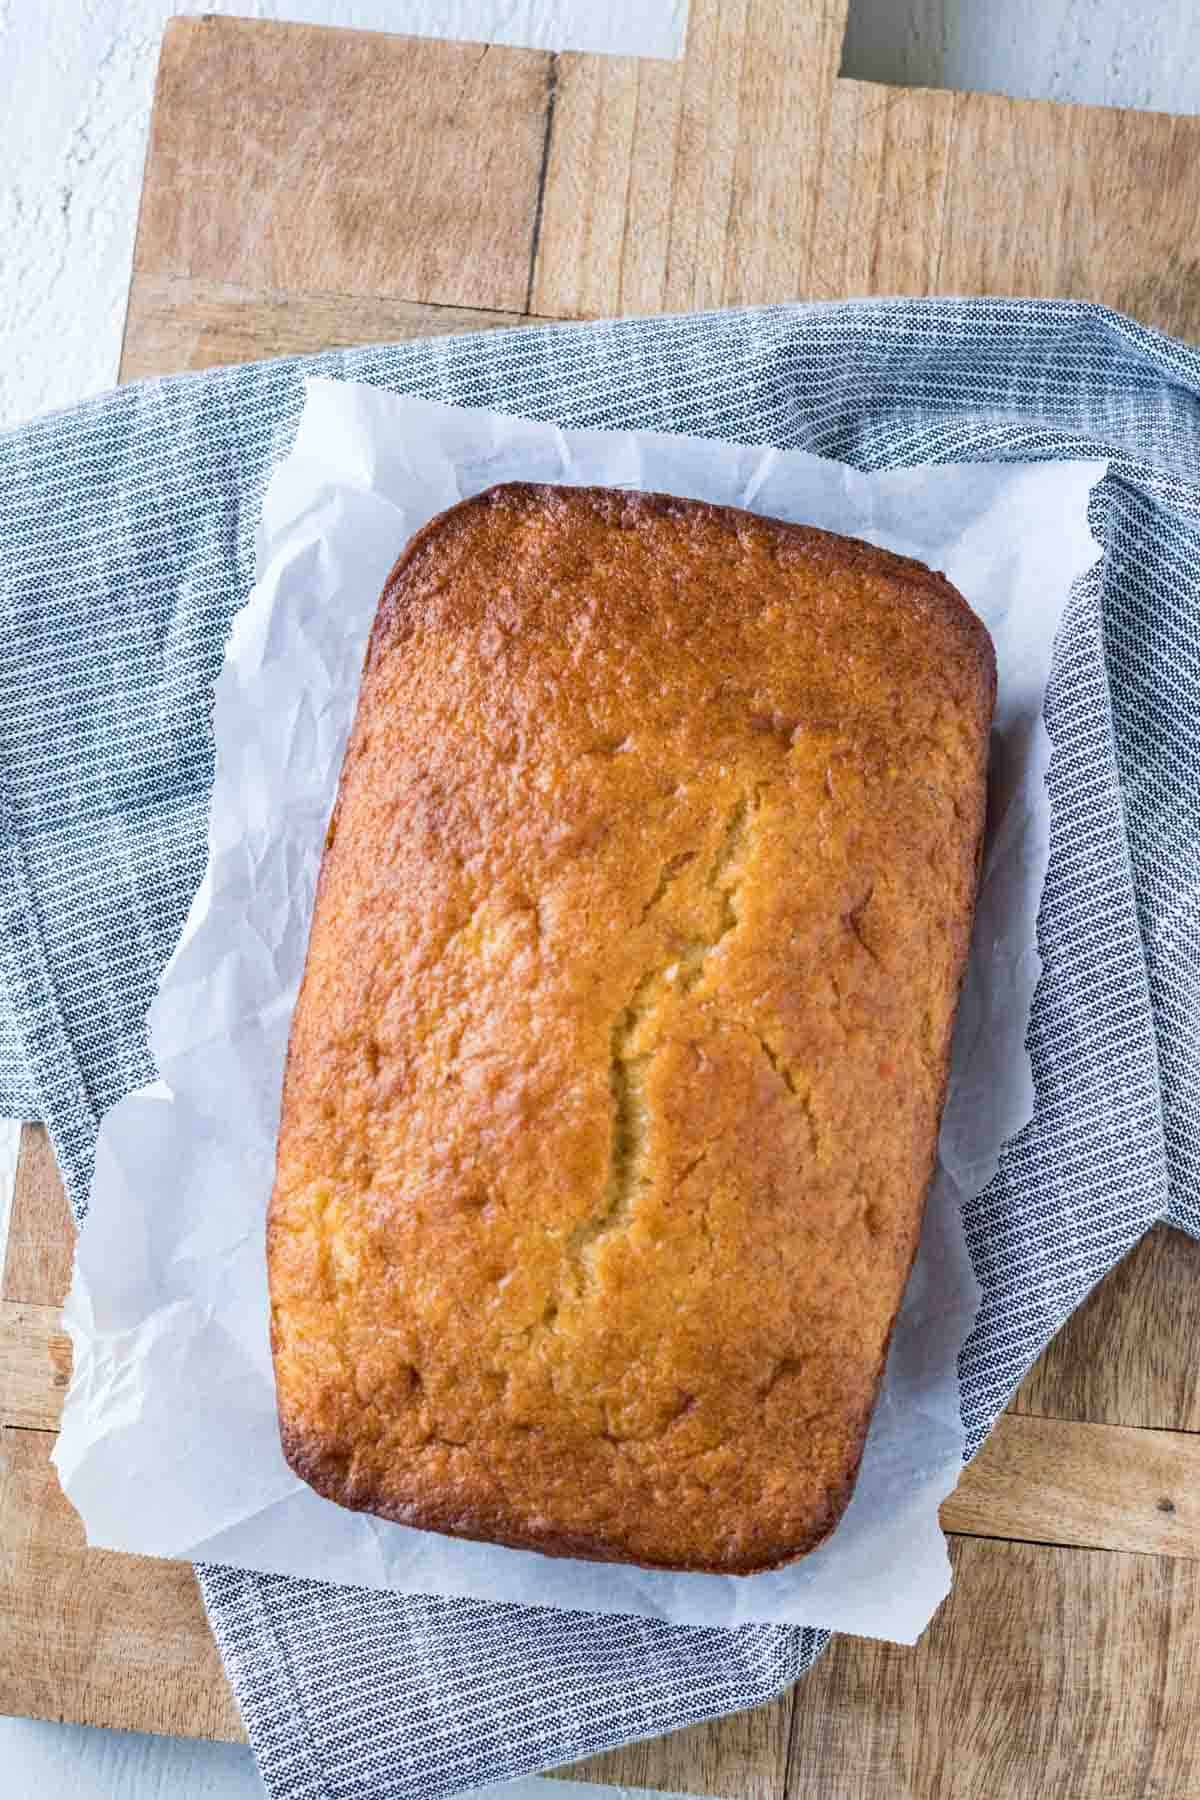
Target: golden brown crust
(615, 1077)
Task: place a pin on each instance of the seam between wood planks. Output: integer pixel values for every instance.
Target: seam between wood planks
(540, 200)
(966, 1535)
(1100, 1424)
(237, 293)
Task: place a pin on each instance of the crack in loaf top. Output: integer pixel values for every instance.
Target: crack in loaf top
(615, 1078)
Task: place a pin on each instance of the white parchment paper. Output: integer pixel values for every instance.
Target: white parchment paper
(169, 1444)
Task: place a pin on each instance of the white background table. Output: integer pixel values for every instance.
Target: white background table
(76, 109)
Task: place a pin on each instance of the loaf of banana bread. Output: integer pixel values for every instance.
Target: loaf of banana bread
(615, 1078)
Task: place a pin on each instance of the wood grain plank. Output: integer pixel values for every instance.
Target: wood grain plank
(585, 202)
(883, 192)
(676, 186)
(789, 63)
(1053, 1481)
(91, 1637)
(301, 158)
(1052, 1672)
(645, 232)
(749, 174)
(706, 154)
(41, 1233)
(1076, 201)
(35, 1365)
(180, 322)
(1128, 1355)
(745, 173)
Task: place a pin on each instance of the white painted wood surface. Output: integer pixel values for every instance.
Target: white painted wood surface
(1143, 53)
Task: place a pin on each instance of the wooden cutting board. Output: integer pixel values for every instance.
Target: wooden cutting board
(307, 188)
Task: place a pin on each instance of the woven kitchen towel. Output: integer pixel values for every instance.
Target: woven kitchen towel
(126, 541)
